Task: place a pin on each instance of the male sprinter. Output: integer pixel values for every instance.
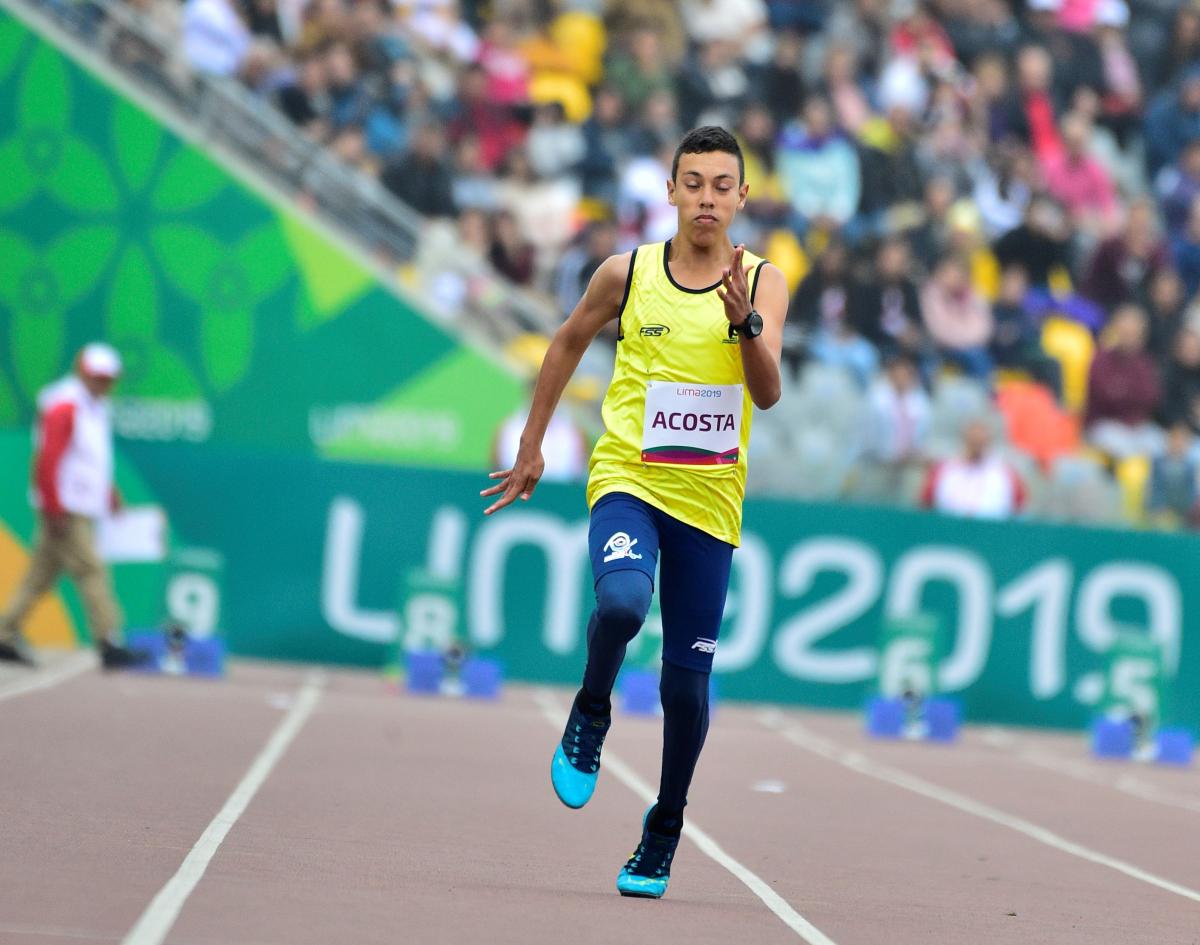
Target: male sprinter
(700, 325)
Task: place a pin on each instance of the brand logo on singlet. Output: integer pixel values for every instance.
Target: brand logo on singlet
(620, 546)
(655, 331)
(705, 645)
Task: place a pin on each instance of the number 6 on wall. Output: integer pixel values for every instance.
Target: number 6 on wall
(971, 578)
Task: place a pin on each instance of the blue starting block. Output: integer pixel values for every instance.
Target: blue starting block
(943, 717)
(934, 719)
(431, 673)
(1117, 739)
(426, 670)
(1112, 738)
(885, 717)
(1174, 746)
(639, 692)
(173, 653)
(482, 678)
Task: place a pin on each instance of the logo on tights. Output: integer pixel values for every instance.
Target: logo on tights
(705, 645)
(620, 546)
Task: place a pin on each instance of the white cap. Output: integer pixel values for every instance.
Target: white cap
(100, 360)
(1112, 13)
(1045, 6)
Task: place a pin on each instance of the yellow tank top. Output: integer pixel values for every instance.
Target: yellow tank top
(677, 414)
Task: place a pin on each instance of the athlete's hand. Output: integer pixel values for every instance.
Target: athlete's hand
(734, 289)
(521, 480)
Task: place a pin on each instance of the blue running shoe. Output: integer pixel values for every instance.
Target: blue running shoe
(649, 869)
(576, 763)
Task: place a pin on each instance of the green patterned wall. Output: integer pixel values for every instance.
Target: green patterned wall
(240, 324)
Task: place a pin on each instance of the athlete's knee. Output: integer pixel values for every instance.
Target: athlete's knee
(684, 692)
(622, 602)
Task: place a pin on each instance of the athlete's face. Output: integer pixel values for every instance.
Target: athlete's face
(707, 193)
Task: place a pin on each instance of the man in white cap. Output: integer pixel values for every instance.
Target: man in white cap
(72, 487)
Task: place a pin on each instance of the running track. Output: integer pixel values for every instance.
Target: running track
(285, 806)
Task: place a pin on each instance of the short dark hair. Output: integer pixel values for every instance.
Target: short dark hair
(705, 140)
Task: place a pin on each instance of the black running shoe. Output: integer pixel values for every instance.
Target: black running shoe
(15, 651)
(119, 657)
(575, 766)
(649, 869)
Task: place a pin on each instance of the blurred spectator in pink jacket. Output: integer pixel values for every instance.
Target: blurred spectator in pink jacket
(1080, 182)
(959, 319)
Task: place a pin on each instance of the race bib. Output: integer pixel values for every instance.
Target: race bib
(692, 424)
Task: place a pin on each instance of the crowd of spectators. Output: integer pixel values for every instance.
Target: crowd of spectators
(1004, 189)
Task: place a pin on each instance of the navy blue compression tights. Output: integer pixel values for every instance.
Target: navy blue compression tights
(622, 601)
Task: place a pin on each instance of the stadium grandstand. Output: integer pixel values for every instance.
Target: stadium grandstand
(974, 188)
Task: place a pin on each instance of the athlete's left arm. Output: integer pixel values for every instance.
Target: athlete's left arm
(761, 355)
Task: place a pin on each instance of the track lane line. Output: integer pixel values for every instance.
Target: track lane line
(156, 922)
(554, 713)
(34, 931)
(1010, 745)
(801, 737)
(34, 680)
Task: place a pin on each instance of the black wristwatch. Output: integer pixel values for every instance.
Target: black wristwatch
(750, 328)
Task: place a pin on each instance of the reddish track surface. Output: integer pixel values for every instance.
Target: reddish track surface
(393, 819)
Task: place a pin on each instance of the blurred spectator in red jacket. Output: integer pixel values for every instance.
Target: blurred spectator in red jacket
(1123, 265)
(1124, 390)
(918, 35)
(492, 122)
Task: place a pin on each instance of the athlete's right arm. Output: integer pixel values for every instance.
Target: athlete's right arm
(601, 303)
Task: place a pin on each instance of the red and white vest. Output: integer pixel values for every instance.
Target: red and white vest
(989, 488)
(83, 478)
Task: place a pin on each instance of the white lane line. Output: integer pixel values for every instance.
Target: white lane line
(164, 909)
(856, 761)
(1084, 771)
(33, 680)
(31, 931)
(555, 714)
